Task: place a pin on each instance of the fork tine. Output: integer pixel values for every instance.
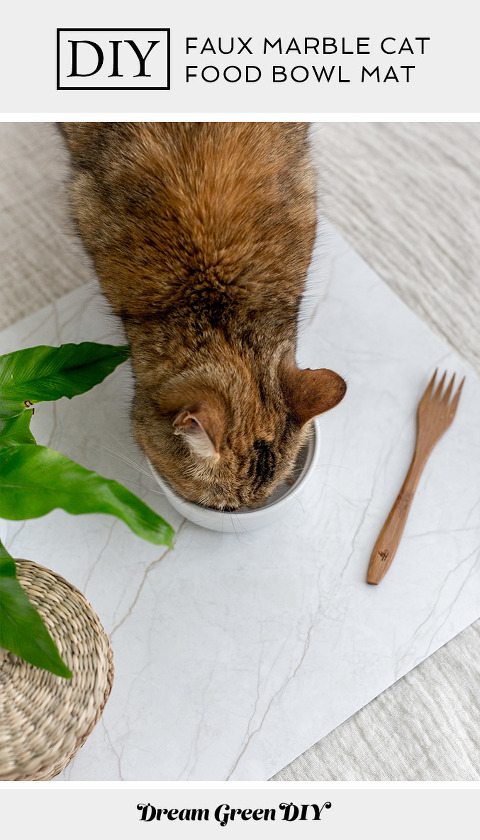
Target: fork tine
(437, 394)
(446, 397)
(429, 388)
(454, 403)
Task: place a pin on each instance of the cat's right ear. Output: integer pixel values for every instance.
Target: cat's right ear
(202, 429)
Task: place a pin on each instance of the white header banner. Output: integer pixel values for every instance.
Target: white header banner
(210, 57)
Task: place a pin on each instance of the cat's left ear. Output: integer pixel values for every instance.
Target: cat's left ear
(202, 429)
(311, 392)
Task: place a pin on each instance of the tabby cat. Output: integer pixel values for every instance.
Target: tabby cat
(201, 235)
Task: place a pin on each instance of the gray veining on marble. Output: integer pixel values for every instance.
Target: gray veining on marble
(234, 653)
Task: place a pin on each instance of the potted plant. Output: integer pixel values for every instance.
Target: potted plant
(55, 660)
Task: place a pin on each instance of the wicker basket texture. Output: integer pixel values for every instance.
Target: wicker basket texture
(44, 719)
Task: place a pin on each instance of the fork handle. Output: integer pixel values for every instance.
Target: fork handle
(391, 533)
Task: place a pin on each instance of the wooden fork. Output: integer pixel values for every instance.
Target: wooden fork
(434, 416)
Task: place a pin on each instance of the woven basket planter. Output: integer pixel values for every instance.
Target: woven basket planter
(44, 719)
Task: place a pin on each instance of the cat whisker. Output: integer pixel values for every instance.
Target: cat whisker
(233, 525)
(130, 462)
(237, 521)
(338, 466)
(121, 443)
(300, 503)
(241, 523)
(126, 460)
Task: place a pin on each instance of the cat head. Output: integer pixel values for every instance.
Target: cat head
(226, 439)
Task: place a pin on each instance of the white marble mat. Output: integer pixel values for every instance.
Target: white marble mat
(234, 653)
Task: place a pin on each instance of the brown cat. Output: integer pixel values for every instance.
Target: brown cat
(201, 235)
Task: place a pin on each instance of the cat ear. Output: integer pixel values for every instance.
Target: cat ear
(202, 429)
(311, 392)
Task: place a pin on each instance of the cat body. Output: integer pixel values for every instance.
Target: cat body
(201, 235)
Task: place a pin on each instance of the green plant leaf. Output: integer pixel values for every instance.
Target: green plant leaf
(22, 629)
(34, 480)
(7, 563)
(16, 429)
(48, 373)
(23, 632)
